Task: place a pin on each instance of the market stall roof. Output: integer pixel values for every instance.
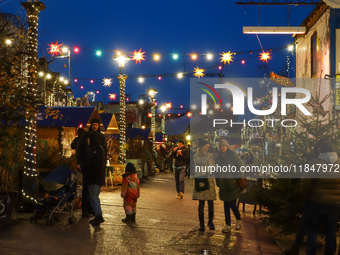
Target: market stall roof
(110, 123)
(135, 133)
(67, 116)
(179, 125)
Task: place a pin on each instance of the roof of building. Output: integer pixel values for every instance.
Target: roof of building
(67, 116)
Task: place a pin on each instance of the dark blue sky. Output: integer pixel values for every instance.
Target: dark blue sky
(165, 27)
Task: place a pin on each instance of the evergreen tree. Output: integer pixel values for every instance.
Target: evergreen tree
(281, 197)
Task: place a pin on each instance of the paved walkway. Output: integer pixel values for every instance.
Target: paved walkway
(165, 225)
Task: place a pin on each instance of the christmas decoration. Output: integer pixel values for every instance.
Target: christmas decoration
(138, 55)
(198, 72)
(112, 96)
(264, 56)
(226, 57)
(30, 174)
(107, 82)
(54, 48)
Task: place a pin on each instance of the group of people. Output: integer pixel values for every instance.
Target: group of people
(205, 186)
(322, 195)
(91, 155)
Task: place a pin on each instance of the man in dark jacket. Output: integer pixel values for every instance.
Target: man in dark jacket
(82, 154)
(181, 155)
(321, 189)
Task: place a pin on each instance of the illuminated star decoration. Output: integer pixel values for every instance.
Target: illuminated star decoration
(138, 55)
(112, 96)
(217, 106)
(54, 48)
(198, 72)
(226, 57)
(168, 105)
(107, 82)
(264, 56)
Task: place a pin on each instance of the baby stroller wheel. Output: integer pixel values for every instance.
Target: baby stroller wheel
(57, 218)
(72, 220)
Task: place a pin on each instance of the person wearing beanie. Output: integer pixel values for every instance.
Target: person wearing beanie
(130, 192)
(181, 155)
(229, 191)
(202, 159)
(82, 161)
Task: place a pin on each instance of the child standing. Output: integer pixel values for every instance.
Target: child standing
(130, 192)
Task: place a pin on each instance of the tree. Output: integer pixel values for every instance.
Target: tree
(15, 102)
(281, 197)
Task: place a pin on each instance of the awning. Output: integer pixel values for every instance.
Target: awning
(67, 116)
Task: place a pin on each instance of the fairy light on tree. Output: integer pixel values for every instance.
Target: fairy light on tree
(30, 174)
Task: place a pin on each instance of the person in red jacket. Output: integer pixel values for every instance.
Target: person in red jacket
(130, 192)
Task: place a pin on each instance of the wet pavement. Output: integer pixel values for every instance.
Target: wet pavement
(164, 225)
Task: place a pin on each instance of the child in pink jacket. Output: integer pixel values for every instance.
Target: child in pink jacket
(130, 192)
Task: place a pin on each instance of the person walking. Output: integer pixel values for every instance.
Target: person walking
(180, 154)
(130, 192)
(203, 159)
(321, 191)
(229, 191)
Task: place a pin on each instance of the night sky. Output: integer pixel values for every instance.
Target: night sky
(164, 27)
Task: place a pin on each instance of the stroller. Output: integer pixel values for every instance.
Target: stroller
(61, 185)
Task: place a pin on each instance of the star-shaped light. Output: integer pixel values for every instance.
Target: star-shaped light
(226, 57)
(112, 96)
(54, 48)
(198, 72)
(217, 106)
(138, 55)
(107, 82)
(168, 105)
(264, 56)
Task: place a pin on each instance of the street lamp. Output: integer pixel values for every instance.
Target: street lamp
(152, 92)
(122, 58)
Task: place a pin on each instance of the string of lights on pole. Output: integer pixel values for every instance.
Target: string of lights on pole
(30, 173)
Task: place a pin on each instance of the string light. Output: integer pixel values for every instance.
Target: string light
(194, 56)
(29, 172)
(156, 57)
